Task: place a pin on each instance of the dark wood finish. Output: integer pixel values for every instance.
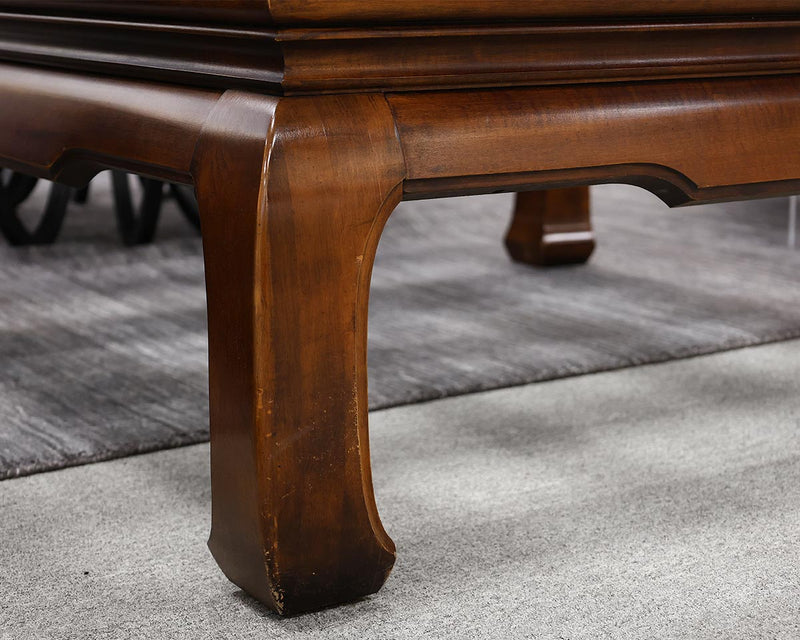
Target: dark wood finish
(197, 55)
(551, 227)
(293, 12)
(14, 190)
(684, 141)
(46, 229)
(294, 516)
(249, 12)
(137, 222)
(15, 187)
(524, 54)
(294, 191)
(186, 200)
(289, 245)
(295, 61)
(68, 127)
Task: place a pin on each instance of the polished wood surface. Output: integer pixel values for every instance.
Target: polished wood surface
(191, 54)
(524, 54)
(551, 227)
(68, 127)
(688, 141)
(289, 246)
(294, 192)
(292, 61)
(293, 12)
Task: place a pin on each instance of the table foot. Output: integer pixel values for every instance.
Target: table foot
(290, 229)
(551, 227)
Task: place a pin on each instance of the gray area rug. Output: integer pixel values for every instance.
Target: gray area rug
(658, 502)
(103, 348)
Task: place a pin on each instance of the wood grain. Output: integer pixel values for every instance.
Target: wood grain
(292, 12)
(383, 11)
(68, 127)
(694, 140)
(525, 54)
(199, 55)
(293, 194)
(249, 12)
(289, 250)
(293, 61)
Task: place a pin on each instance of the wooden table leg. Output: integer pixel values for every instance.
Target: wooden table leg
(293, 195)
(551, 227)
(290, 229)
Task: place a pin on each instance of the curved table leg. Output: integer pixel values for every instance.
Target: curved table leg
(290, 228)
(551, 227)
(136, 223)
(13, 193)
(293, 194)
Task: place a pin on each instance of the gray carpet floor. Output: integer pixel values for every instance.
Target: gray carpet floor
(652, 502)
(103, 349)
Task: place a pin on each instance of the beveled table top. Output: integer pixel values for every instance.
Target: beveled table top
(361, 12)
(291, 47)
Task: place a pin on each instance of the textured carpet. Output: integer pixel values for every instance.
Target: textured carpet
(653, 502)
(103, 349)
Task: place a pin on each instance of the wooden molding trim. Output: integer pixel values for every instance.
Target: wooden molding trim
(523, 55)
(315, 12)
(688, 140)
(682, 140)
(67, 127)
(307, 61)
(197, 55)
